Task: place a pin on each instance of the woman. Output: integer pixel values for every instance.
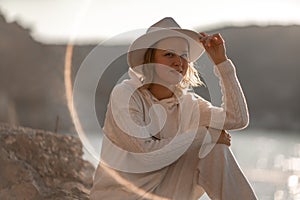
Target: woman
(163, 141)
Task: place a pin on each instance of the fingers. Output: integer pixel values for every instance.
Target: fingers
(221, 138)
(225, 138)
(211, 40)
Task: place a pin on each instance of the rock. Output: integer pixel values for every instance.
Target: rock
(37, 164)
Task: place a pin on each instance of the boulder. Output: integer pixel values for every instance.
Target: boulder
(37, 164)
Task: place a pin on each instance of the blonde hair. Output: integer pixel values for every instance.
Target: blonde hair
(191, 78)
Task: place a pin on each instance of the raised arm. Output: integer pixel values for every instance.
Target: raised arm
(233, 113)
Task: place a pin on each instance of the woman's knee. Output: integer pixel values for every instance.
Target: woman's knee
(219, 150)
(222, 147)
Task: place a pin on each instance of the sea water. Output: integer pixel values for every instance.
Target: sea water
(269, 159)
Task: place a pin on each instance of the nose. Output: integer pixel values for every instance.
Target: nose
(178, 63)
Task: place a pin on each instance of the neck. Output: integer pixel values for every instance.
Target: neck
(161, 92)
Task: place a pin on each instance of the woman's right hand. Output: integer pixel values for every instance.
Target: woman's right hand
(214, 46)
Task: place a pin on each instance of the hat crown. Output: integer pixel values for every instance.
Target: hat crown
(165, 23)
(165, 28)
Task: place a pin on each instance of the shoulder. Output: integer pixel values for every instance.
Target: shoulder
(124, 92)
(123, 87)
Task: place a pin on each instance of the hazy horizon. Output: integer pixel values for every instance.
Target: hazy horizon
(88, 20)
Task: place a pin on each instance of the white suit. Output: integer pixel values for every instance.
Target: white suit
(173, 157)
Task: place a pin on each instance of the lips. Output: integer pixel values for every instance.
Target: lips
(178, 71)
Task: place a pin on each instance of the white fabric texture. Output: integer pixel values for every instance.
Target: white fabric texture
(177, 165)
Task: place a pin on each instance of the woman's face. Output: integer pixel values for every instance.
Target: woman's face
(171, 56)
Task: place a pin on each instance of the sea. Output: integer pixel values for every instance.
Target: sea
(269, 159)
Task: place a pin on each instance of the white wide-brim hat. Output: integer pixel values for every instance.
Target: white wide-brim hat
(165, 28)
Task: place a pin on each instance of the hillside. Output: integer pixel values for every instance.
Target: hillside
(32, 77)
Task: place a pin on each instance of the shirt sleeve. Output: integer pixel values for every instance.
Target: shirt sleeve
(137, 151)
(125, 126)
(233, 112)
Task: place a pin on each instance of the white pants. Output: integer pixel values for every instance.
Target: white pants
(217, 174)
(221, 177)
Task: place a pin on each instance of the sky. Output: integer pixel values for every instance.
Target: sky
(87, 20)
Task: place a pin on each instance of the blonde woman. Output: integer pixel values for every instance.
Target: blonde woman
(162, 141)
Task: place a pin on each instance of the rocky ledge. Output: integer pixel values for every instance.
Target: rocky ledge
(37, 164)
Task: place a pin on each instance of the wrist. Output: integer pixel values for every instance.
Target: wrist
(220, 60)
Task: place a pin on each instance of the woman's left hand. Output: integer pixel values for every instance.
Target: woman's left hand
(224, 138)
(214, 46)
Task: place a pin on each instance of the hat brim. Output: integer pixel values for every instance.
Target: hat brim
(138, 48)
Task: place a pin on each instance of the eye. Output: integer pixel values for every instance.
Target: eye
(169, 54)
(185, 55)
